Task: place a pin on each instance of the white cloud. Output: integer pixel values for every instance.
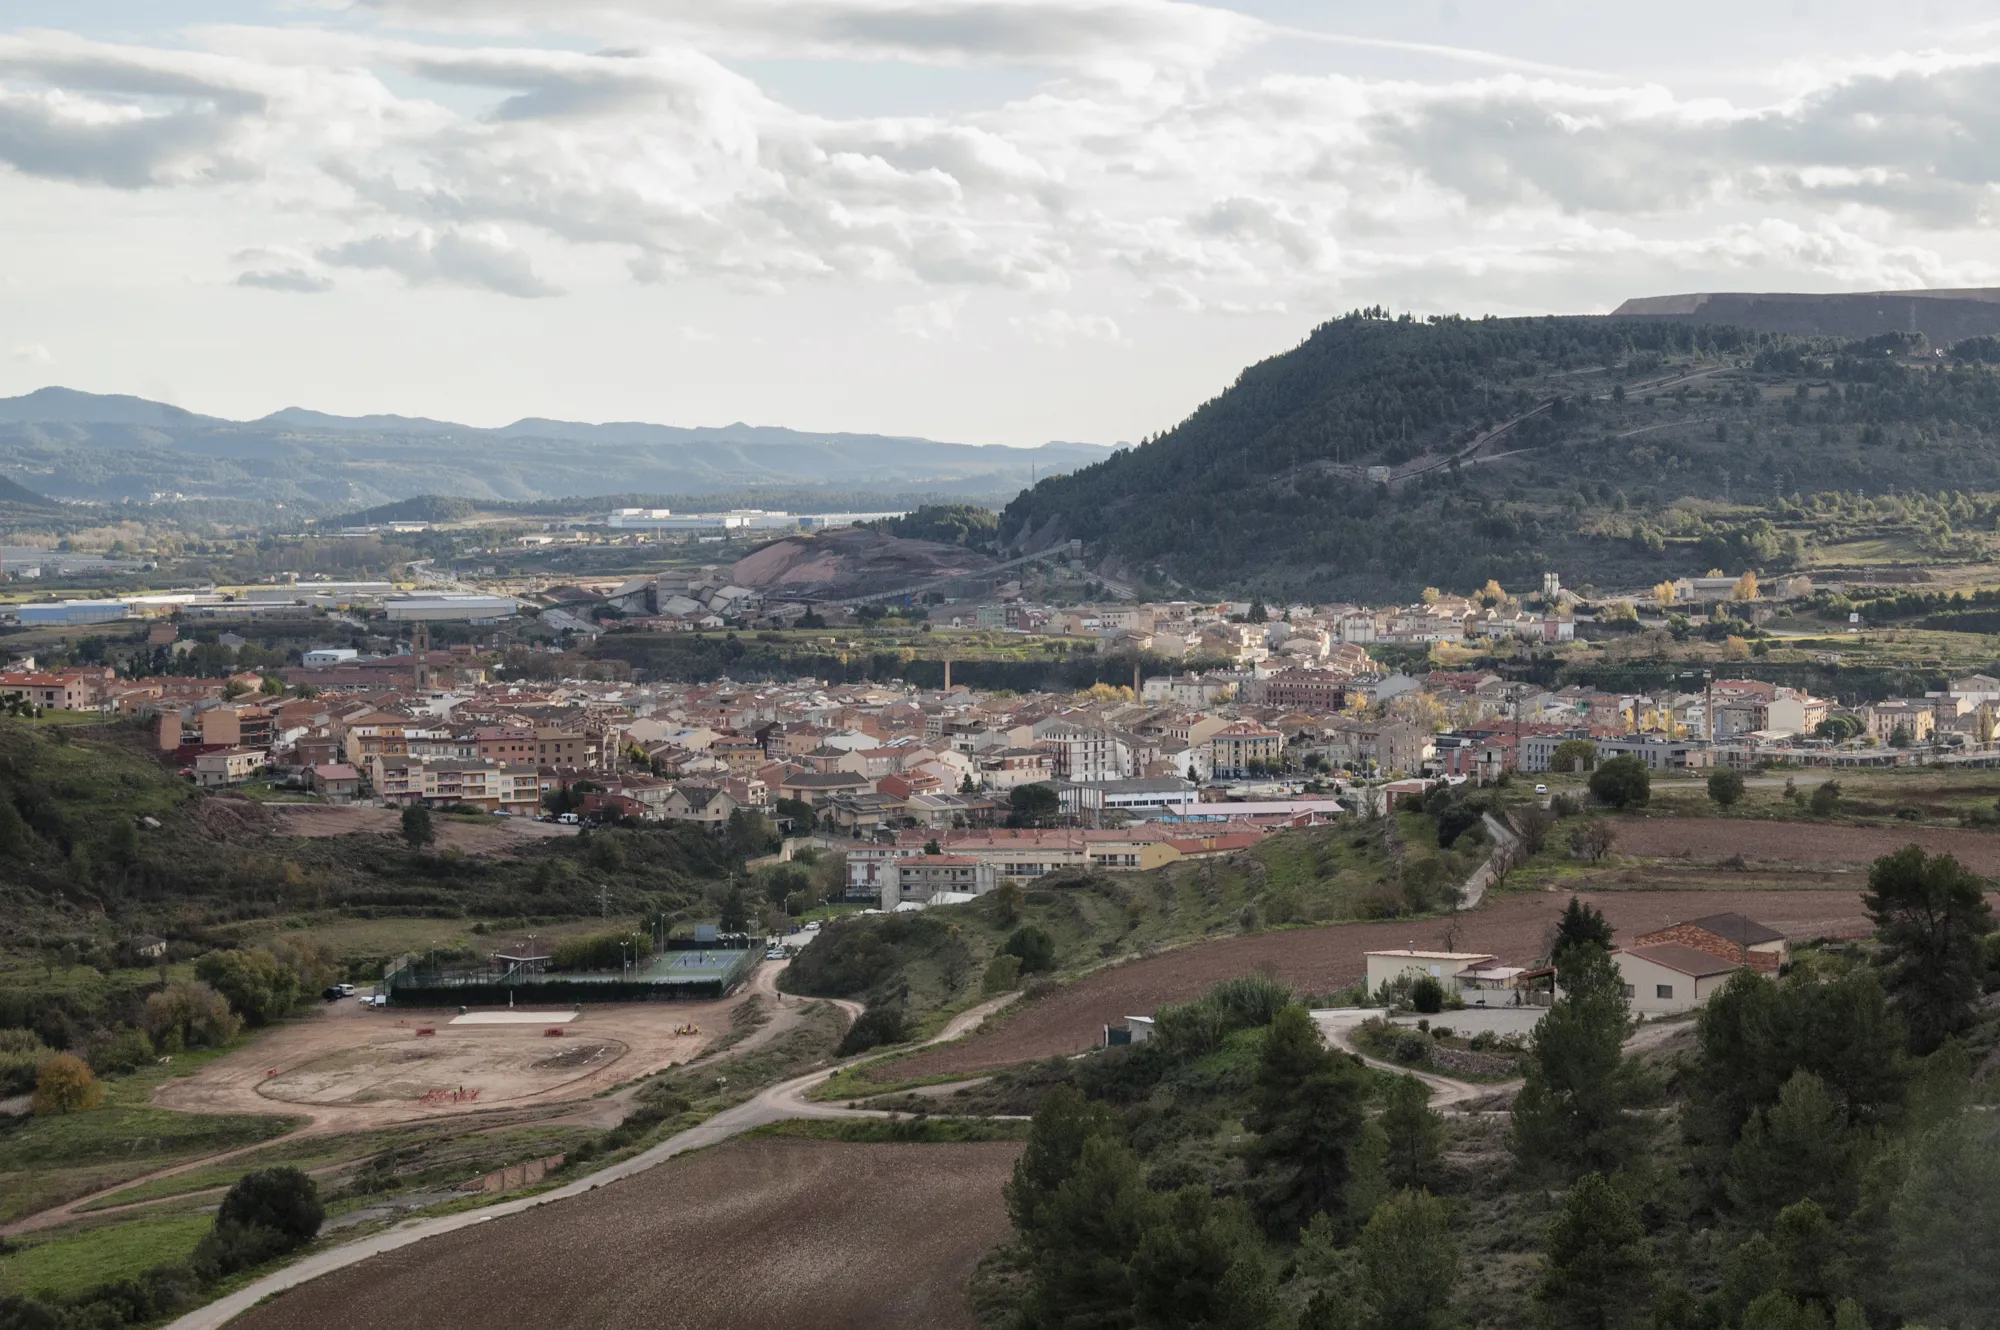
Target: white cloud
(33, 353)
(931, 320)
(1090, 34)
(450, 258)
(1060, 328)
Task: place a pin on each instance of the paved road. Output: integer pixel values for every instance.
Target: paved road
(787, 1099)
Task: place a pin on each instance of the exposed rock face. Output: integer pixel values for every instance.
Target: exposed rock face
(851, 562)
(1943, 316)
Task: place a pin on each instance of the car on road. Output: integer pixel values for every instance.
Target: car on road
(1541, 789)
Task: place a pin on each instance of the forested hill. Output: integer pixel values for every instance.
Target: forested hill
(1514, 446)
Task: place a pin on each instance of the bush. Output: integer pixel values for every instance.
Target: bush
(881, 1023)
(1826, 799)
(63, 1084)
(1725, 788)
(1035, 948)
(189, 1014)
(1622, 782)
(1002, 974)
(1427, 995)
(283, 1200)
(258, 988)
(21, 1054)
(118, 1052)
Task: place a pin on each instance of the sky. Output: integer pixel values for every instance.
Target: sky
(989, 221)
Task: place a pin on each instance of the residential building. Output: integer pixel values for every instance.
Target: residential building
(1386, 967)
(920, 877)
(1730, 937)
(228, 766)
(1234, 747)
(1667, 979)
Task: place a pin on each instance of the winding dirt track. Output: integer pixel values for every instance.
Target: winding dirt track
(1322, 960)
(748, 1235)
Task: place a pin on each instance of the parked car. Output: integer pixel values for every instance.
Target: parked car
(346, 990)
(332, 993)
(1541, 789)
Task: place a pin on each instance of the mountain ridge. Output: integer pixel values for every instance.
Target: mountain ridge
(107, 447)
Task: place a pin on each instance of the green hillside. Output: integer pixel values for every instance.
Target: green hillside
(1518, 445)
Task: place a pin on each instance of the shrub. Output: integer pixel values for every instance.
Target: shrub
(21, 1053)
(189, 1014)
(1622, 782)
(1725, 788)
(118, 1052)
(258, 988)
(1592, 840)
(1427, 995)
(1035, 948)
(1002, 974)
(881, 1023)
(63, 1084)
(283, 1200)
(1826, 799)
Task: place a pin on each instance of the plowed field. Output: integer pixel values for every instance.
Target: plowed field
(1806, 844)
(1320, 960)
(744, 1236)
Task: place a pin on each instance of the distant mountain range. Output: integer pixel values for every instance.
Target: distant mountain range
(76, 445)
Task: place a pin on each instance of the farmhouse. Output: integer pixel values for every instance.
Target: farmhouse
(1386, 967)
(1728, 937)
(1668, 979)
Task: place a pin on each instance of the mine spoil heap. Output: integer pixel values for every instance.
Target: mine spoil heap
(851, 562)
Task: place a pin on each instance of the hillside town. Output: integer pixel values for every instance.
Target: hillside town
(939, 793)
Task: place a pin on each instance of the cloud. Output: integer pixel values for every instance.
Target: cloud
(1061, 328)
(932, 320)
(1166, 183)
(287, 279)
(450, 258)
(1087, 34)
(33, 353)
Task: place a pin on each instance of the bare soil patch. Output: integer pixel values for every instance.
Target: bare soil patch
(1823, 846)
(1321, 960)
(351, 1069)
(751, 1234)
(491, 835)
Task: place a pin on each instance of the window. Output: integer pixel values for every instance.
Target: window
(1663, 990)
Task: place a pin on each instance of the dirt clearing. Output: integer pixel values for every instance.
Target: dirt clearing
(1823, 846)
(1320, 960)
(490, 835)
(351, 1069)
(744, 1236)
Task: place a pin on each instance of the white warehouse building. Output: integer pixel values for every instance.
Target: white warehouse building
(462, 606)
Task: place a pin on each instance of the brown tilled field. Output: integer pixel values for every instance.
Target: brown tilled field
(1320, 960)
(750, 1234)
(1814, 845)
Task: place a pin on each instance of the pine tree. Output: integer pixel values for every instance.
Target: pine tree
(1596, 1272)
(1799, 1149)
(1570, 1115)
(1309, 1118)
(1413, 1132)
(1409, 1264)
(1930, 913)
(1201, 1266)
